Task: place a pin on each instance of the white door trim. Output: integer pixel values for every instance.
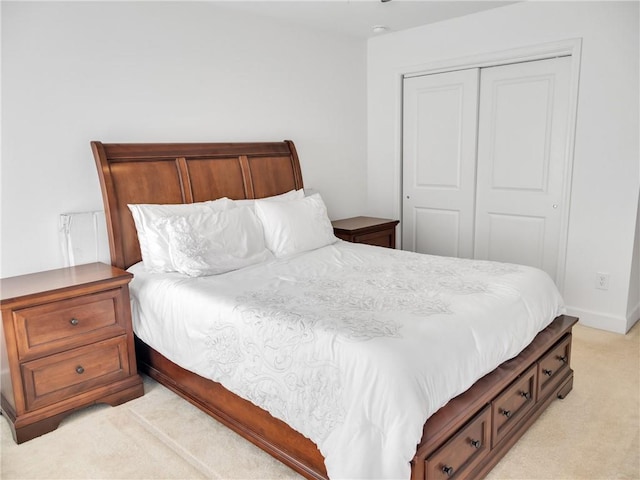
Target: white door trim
(569, 47)
(562, 48)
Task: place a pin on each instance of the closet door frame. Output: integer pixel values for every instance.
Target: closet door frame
(571, 48)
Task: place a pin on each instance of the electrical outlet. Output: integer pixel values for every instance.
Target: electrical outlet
(602, 281)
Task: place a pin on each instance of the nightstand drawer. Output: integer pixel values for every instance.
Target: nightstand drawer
(383, 238)
(57, 377)
(57, 326)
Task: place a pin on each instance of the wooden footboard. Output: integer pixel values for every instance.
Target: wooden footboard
(464, 439)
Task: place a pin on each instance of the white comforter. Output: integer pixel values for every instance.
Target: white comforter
(353, 346)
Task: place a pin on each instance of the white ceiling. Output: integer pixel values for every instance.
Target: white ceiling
(357, 17)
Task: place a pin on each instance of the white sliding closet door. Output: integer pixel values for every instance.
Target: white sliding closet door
(439, 162)
(485, 155)
(522, 151)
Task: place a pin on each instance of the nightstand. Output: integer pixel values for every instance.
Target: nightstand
(369, 230)
(67, 342)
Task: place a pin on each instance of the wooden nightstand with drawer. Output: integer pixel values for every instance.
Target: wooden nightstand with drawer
(369, 230)
(67, 342)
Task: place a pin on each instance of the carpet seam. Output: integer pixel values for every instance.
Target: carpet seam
(175, 447)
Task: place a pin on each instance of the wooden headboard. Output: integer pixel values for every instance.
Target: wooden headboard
(168, 173)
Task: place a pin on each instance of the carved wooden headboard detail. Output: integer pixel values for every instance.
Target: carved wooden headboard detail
(168, 173)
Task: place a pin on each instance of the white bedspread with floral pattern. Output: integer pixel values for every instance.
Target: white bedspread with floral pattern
(353, 346)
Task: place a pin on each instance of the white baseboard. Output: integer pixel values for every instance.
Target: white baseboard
(633, 316)
(601, 320)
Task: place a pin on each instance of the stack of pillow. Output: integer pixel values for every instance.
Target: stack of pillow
(218, 236)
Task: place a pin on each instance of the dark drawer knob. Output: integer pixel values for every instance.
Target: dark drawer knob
(447, 470)
(548, 373)
(79, 369)
(526, 395)
(74, 321)
(506, 413)
(563, 359)
(475, 443)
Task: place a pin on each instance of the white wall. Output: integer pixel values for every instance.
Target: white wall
(606, 163)
(158, 72)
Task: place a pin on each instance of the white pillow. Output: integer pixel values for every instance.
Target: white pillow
(283, 197)
(154, 245)
(295, 226)
(210, 243)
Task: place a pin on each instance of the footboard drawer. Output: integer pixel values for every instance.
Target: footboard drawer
(512, 405)
(463, 451)
(553, 366)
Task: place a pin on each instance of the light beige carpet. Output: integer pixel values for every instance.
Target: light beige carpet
(592, 434)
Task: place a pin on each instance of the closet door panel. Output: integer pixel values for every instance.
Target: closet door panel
(522, 140)
(526, 234)
(439, 147)
(447, 225)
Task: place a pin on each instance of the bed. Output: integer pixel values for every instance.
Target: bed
(463, 437)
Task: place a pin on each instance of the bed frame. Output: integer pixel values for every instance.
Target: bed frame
(464, 439)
